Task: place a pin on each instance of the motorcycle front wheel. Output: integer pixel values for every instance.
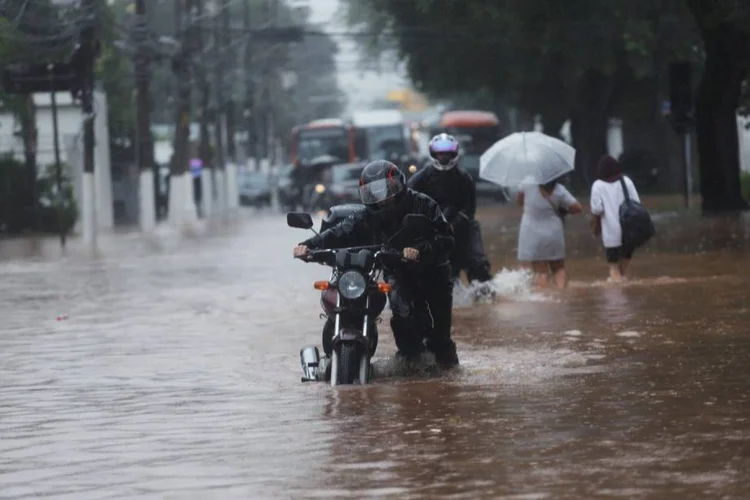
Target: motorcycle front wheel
(349, 364)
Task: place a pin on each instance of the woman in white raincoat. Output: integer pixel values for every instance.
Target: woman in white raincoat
(541, 239)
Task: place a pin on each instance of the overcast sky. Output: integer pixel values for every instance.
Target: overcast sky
(359, 86)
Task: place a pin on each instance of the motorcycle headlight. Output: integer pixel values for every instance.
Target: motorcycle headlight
(320, 189)
(352, 285)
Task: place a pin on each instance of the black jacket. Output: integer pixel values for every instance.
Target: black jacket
(361, 228)
(454, 190)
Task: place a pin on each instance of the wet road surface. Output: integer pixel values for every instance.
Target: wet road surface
(168, 368)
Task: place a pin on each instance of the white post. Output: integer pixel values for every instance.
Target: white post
(614, 138)
(221, 192)
(103, 170)
(147, 201)
(181, 205)
(233, 194)
(207, 188)
(146, 190)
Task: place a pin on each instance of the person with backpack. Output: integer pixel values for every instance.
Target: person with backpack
(623, 223)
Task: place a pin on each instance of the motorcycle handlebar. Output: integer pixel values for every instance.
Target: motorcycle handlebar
(320, 256)
(393, 258)
(326, 256)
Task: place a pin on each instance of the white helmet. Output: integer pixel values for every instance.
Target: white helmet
(444, 151)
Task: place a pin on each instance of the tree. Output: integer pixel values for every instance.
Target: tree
(33, 32)
(579, 60)
(726, 40)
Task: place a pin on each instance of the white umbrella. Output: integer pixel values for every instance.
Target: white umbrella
(526, 157)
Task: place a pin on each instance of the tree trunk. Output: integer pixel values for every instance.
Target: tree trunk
(589, 125)
(716, 122)
(182, 73)
(29, 135)
(229, 116)
(553, 123)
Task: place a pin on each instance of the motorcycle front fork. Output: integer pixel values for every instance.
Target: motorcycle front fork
(329, 329)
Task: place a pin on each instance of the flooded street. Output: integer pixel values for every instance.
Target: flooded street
(168, 368)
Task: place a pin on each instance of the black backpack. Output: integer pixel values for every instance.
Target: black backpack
(635, 221)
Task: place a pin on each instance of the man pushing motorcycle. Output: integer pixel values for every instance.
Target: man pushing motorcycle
(422, 295)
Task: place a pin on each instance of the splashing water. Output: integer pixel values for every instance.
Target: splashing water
(509, 284)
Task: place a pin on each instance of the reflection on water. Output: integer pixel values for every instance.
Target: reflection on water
(175, 375)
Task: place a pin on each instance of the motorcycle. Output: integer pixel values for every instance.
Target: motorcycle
(353, 297)
(318, 198)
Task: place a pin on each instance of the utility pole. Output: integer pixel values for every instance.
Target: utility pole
(219, 90)
(88, 53)
(262, 121)
(249, 112)
(58, 166)
(181, 185)
(230, 108)
(144, 141)
(219, 108)
(204, 144)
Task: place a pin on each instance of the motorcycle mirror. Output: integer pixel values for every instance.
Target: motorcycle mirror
(300, 220)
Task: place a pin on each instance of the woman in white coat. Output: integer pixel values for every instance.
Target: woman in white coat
(541, 240)
(606, 197)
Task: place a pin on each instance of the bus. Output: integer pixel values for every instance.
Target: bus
(476, 131)
(386, 135)
(328, 136)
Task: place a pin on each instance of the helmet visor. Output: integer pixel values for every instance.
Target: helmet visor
(444, 158)
(444, 146)
(378, 191)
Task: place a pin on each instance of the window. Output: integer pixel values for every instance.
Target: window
(386, 141)
(332, 141)
(344, 174)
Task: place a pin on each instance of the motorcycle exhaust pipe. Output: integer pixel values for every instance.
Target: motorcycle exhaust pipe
(310, 358)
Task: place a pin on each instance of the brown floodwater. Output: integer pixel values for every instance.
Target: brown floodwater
(168, 367)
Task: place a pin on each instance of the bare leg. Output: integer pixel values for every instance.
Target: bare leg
(624, 264)
(615, 274)
(541, 273)
(559, 273)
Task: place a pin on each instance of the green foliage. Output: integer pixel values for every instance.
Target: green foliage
(531, 54)
(15, 190)
(53, 209)
(312, 60)
(36, 31)
(18, 215)
(114, 71)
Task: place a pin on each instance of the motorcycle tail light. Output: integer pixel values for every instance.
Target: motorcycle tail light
(321, 285)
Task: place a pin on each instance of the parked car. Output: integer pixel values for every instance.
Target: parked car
(254, 189)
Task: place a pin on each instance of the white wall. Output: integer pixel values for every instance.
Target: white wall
(70, 133)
